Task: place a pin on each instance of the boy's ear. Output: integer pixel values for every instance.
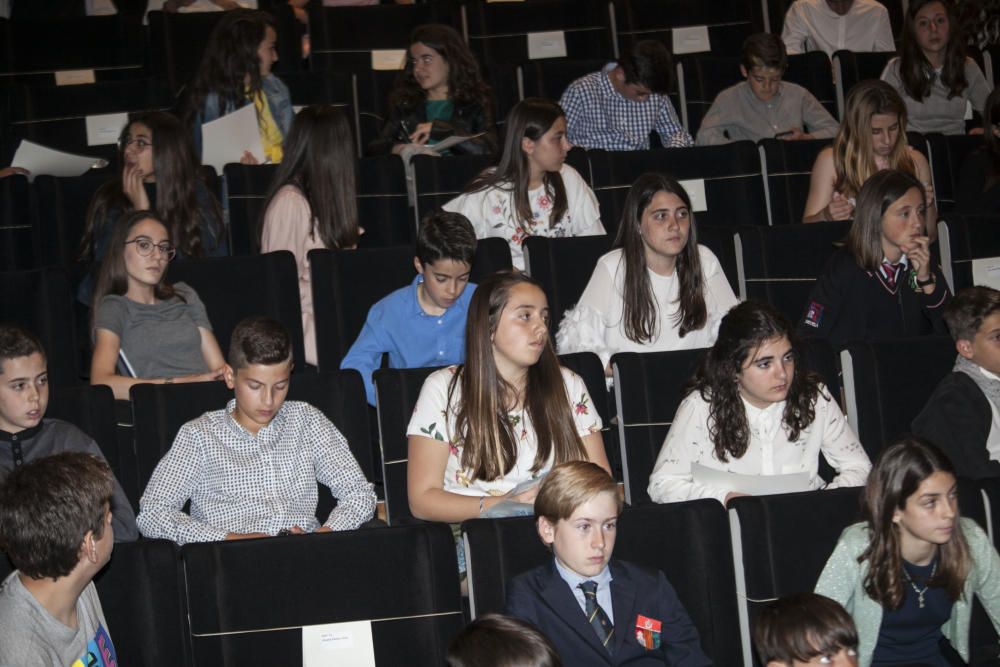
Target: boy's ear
(88, 548)
(230, 376)
(964, 347)
(546, 530)
(746, 75)
(418, 266)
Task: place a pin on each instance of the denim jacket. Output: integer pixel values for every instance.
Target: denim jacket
(279, 100)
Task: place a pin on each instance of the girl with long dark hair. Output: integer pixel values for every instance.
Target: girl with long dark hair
(439, 93)
(935, 78)
(235, 71)
(312, 200)
(158, 173)
(658, 289)
(505, 416)
(753, 409)
(907, 574)
(147, 330)
(532, 191)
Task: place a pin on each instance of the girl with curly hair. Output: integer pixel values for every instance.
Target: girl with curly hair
(908, 573)
(753, 409)
(932, 73)
(235, 71)
(439, 93)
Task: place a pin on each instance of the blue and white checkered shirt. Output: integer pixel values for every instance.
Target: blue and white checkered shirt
(598, 116)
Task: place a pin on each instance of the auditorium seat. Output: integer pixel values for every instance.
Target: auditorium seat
(159, 410)
(250, 600)
(787, 169)
(884, 389)
(728, 22)
(233, 288)
(701, 572)
(970, 249)
(850, 68)
(440, 179)
(947, 153)
(780, 265)
(91, 408)
(17, 225)
(563, 266)
(176, 44)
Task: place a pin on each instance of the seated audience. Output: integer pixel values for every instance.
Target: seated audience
(764, 106)
(805, 629)
(909, 572)
(871, 138)
(884, 282)
(312, 200)
(422, 324)
(483, 431)
(235, 71)
(836, 25)
(962, 416)
(597, 610)
(158, 174)
(440, 93)
(752, 408)
(936, 80)
(532, 191)
(25, 434)
(977, 190)
(250, 469)
(617, 108)
(932, 74)
(146, 329)
(495, 640)
(658, 289)
(55, 526)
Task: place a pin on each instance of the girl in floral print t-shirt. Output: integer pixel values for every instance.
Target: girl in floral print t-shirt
(532, 192)
(481, 429)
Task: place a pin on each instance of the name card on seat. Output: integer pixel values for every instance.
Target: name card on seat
(986, 271)
(696, 192)
(388, 59)
(74, 77)
(342, 644)
(693, 39)
(546, 45)
(104, 129)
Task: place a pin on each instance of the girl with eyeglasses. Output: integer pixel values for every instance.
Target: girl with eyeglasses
(145, 329)
(157, 173)
(439, 93)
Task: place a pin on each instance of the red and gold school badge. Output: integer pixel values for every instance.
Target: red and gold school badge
(647, 632)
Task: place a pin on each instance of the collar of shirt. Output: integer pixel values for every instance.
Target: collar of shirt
(753, 99)
(417, 310)
(574, 580)
(276, 424)
(608, 88)
(764, 420)
(992, 376)
(21, 436)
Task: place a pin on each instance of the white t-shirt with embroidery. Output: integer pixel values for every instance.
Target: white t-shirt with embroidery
(433, 418)
(492, 213)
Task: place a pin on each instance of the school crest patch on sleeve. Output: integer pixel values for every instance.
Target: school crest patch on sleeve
(814, 314)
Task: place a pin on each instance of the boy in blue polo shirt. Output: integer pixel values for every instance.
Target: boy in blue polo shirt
(422, 324)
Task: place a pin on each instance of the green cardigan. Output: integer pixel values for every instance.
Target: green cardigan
(843, 580)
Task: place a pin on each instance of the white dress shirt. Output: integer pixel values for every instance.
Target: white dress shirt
(810, 25)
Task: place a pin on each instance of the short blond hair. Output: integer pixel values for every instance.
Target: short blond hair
(571, 484)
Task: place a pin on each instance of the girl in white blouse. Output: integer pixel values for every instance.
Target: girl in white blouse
(532, 192)
(753, 410)
(658, 289)
(505, 417)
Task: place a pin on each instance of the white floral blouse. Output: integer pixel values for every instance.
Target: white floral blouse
(492, 213)
(432, 418)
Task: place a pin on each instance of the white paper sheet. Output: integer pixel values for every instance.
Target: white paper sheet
(453, 140)
(986, 272)
(755, 485)
(546, 45)
(338, 645)
(105, 128)
(696, 192)
(73, 77)
(223, 140)
(691, 40)
(388, 59)
(42, 160)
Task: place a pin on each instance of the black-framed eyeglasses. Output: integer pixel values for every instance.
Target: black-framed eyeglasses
(141, 144)
(144, 246)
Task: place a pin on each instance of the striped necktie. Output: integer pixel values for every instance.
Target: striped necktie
(595, 615)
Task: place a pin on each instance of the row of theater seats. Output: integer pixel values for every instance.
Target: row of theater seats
(744, 184)
(231, 603)
(776, 265)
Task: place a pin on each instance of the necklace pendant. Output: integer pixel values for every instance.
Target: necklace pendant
(920, 599)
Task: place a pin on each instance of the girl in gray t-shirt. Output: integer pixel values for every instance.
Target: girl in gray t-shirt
(145, 329)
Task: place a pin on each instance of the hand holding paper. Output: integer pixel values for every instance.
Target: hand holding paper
(225, 139)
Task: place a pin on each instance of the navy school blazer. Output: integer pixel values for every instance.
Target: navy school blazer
(543, 598)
